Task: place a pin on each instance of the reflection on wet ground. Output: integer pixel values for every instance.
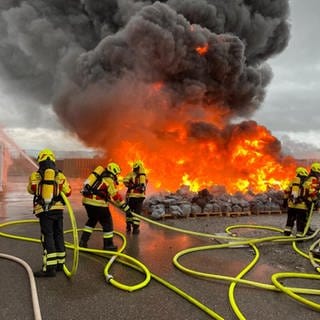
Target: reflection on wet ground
(15, 202)
(155, 246)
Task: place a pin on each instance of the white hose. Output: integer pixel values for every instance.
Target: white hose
(35, 300)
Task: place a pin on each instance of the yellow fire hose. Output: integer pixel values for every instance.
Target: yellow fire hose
(34, 294)
(76, 249)
(75, 260)
(114, 255)
(232, 242)
(310, 213)
(292, 292)
(68, 273)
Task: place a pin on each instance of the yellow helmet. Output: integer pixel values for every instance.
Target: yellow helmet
(315, 167)
(137, 164)
(301, 171)
(46, 154)
(113, 168)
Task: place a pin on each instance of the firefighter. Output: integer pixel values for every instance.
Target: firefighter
(136, 183)
(97, 193)
(295, 203)
(311, 188)
(46, 186)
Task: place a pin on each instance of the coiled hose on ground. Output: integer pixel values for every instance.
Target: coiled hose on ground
(231, 241)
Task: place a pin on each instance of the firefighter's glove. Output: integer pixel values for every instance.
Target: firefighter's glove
(85, 191)
(125, 207)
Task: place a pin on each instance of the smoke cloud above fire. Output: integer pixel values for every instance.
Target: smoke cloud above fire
(159, 80)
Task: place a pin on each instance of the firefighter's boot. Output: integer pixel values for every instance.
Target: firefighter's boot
(49, 273)
(310, 232)
(108, 245)
(84, 239)
(136, 229)
(287, 231)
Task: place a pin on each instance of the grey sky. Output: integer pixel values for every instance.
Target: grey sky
(289, 111)
(291, 106)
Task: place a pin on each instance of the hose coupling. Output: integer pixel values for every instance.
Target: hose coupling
(109, 277)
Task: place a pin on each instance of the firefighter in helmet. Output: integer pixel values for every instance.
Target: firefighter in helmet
(97, 193)
(312, 187)
(136, 183)
(46, 185)
(295, 203)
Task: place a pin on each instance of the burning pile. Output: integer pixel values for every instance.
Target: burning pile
(243, 157)
(163, 81)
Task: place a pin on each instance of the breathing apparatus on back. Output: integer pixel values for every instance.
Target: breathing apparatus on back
(140, 177)
(92, 182)
(48, 189)
(296, 194)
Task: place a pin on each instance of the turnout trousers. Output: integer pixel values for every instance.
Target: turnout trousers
(296, 215)
(52, 238)
(103, 216)
(136, 205)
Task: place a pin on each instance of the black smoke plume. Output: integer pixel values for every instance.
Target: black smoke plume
(118, 69)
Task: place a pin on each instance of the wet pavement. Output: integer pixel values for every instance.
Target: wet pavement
(88, 296)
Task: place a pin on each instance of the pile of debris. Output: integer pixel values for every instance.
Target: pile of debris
(184, 203)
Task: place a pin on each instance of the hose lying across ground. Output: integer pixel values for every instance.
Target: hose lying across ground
(33, 287)
(231, 242)
(236, 242)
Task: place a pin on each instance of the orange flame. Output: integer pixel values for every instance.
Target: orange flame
(244, 164)
(202, 50)
(158, 85)
(194, 146)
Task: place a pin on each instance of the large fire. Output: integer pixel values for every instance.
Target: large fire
(243, 157)
(158, 80)
(195, 145)
(164, 82)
